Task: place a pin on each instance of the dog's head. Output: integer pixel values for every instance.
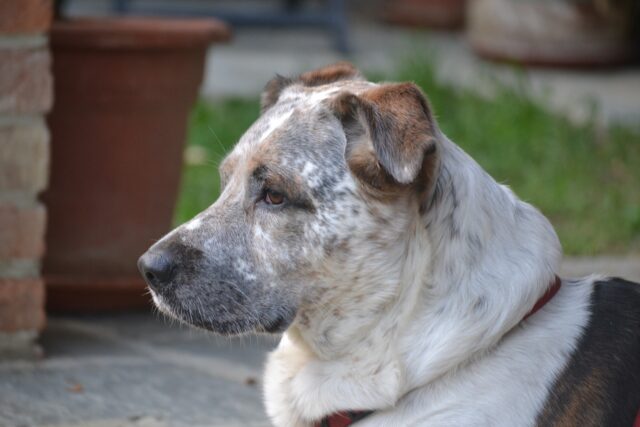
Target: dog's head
(328, 177)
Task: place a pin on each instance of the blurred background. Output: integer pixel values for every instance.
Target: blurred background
(114, 115)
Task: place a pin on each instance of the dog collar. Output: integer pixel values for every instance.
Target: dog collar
(343, 419)
(346, 418)
(544, 299)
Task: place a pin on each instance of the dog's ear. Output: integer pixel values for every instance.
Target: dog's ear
(330, 73)
(325, 75)
(272, 90)
(391, 134)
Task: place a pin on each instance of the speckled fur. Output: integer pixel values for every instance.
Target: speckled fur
(398, 269)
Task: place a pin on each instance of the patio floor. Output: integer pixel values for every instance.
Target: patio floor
(134, 370)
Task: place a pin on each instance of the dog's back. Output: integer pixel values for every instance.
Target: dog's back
(601, 383)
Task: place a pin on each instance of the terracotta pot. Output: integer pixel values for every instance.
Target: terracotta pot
(550, 33)
(444, 14)
(123, 92)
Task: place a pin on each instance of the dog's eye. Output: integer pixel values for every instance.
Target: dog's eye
(272, 197)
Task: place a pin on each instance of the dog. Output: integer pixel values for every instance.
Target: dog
(410, 288)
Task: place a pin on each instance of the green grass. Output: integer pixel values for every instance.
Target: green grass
(215, 128)
(584, 178)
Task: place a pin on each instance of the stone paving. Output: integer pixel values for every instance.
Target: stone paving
(134, 370)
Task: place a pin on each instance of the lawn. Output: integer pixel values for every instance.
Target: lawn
(585, 178)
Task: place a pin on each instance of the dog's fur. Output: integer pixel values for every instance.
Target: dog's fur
(399, 271)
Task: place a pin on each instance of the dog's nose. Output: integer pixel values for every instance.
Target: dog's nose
(157, 268)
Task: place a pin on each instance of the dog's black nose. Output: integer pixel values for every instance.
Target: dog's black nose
(157, 268)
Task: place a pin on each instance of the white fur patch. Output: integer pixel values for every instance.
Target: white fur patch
(242, 267)
(193, 224)
(309, 173)
(162, 306)
(274, 124)
(319, 96)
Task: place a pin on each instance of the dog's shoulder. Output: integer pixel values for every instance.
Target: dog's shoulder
(600, 385)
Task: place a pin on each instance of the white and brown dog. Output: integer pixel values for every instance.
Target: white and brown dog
(409, 286)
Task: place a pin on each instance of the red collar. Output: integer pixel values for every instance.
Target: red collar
(342, 419)
(346, 418)
(544, 299)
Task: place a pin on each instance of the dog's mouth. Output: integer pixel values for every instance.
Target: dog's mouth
(277, 325)
(249, 322)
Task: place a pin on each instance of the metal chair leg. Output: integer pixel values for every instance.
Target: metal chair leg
(340, 32)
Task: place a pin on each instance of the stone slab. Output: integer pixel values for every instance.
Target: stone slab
(137, 389)
(132, 370)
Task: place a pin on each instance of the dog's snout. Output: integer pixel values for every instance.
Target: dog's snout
(157, 268)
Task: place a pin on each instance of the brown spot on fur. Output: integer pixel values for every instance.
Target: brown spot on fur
(600, 384)
(329, 74)
(583, 396)
(374, 236)
(325, 75)
(272, 90)
(304, 319)
(378, 216)
(333, 246)
(366, 167)
(343, 245)
(382, 221)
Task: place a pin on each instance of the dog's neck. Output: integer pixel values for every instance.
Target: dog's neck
(493, 256)
(467, 271)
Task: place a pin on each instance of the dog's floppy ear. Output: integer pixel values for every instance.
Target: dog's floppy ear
(330, 73)
(390, 133)
(325, 75)
(272, 90)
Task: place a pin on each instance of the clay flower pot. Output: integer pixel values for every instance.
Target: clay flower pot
(443, 14)
(564, 33)
(123, 92)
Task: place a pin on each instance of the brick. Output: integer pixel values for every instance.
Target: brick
(21, 231)
(25, 80)
(19, 268)
(24, 157)
(25, 16)
(21, 304)
(21, 345)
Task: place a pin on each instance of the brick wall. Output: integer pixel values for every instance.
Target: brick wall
(25, 96)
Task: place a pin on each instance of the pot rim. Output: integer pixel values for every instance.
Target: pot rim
(138, 33)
